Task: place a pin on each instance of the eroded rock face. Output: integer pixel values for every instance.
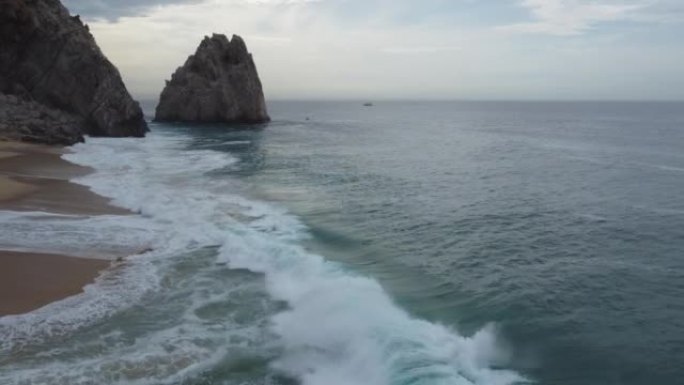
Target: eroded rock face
(50, 57)
(219, 83)
(29, 121)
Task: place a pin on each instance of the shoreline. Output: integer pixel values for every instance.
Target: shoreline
(35, 178)
(29, 281)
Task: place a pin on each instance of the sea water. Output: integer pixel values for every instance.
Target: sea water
(405, 243)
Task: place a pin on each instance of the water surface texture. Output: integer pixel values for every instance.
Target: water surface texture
(404, 243)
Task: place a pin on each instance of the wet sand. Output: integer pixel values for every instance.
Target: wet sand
(32, 280)
(35, 178)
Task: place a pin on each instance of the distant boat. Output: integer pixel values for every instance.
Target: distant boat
(369, 104)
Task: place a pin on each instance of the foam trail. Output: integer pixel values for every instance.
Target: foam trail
(141, 176)
(340, 328)
(344, 329)
(76, 235)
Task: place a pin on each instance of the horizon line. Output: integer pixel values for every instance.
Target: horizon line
(468, 100)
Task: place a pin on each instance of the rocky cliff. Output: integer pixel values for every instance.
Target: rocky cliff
(219, 83)
(48, 57)
(28, 121)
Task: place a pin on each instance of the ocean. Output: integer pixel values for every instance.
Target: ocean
(404, 243)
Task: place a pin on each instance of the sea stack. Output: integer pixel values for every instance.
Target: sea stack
(60, 83)
(218, 84)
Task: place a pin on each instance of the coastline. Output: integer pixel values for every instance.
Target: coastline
(29, 281)
(36, 178)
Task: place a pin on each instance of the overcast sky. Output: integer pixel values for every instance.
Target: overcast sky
(409, 49)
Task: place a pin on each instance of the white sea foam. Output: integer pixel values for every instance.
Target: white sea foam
(343, 329)
(98, 301)
(78, 235)
(340, 328)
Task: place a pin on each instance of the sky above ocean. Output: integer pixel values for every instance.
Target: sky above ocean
(401, 49)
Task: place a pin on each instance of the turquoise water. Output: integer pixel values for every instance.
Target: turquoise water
(407, 243)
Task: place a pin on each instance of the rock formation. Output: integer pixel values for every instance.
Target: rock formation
(219, 83)
(29, 121)
(48, 57)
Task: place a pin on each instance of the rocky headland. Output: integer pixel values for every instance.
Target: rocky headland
(29, 121)
(55, 83)
(218, 84)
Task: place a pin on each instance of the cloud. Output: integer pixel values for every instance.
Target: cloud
(272, 40)
(112, 10)
(420, 50)
(435, 49)
(663, 11)
(572, 17)
(276, 2)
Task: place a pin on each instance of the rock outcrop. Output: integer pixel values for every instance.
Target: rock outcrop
(29, 121)
(219, 83)
(48, 57)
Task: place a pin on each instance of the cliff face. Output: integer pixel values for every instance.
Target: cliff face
(49, 57)
(29, 121)
(219, 83)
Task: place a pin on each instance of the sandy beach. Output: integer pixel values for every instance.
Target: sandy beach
(31, 280)
(36, 178)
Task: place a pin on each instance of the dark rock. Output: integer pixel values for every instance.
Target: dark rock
(29, 121)
(50, 58)
(219, 83)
